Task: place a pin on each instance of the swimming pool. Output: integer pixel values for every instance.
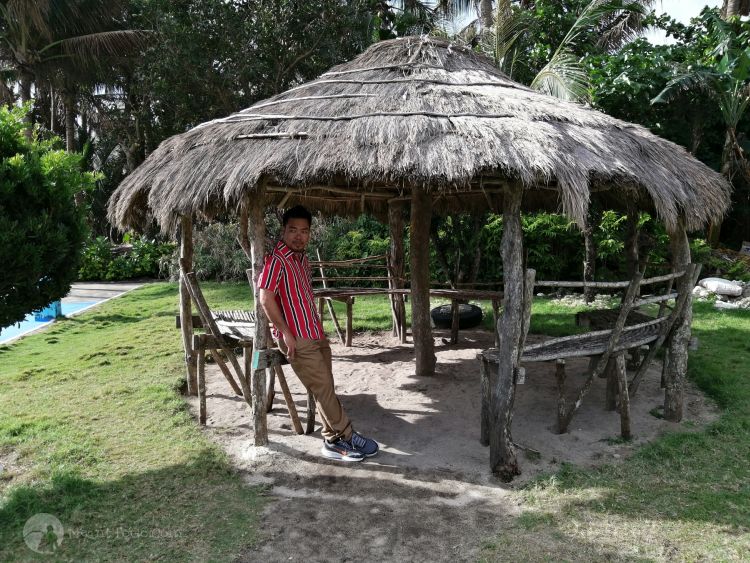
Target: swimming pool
(29, 324)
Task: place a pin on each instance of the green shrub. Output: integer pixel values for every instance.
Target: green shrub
(142, 261)
(41, 228)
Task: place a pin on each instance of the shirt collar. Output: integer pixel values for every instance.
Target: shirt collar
(288, 252)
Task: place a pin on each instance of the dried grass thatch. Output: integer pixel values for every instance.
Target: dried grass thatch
(418, 112)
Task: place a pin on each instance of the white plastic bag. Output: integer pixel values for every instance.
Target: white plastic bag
(721, 286)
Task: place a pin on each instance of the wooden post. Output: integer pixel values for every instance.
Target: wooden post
(676, 369)
(484, 417)
(622, 379)
(186, 314)
(495, 319)
(631, 242)
(330, 303)
(503, 462)
(291, 407)
(349, 321)
(260, 341)
(610, 401)
(560, 377)
(589, 257)
(396, 262)
(201, 350)
(424, 347)
(310, 423)
(455, 320)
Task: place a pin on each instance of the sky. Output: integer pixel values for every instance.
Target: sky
(681, 10)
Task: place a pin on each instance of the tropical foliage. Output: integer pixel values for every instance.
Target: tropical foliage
(41, 228)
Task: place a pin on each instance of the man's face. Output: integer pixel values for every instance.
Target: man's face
(296, 234)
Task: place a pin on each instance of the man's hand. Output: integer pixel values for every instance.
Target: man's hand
(291, 344)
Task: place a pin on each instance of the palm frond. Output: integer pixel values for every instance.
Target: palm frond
(106, 43)
(563, 77)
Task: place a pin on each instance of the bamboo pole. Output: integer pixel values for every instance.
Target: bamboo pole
(186, 315)
(424, 347)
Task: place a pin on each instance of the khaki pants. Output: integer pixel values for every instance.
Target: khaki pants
(312, 364)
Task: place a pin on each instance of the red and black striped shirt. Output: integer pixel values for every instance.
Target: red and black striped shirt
(287, 274)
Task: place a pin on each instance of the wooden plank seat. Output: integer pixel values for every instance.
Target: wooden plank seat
(627, 329)
(226, 331)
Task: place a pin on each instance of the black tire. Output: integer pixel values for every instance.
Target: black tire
(469, 316)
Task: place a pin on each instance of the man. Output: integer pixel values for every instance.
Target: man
(286, 296)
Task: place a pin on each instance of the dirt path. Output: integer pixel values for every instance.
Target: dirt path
(428, 495)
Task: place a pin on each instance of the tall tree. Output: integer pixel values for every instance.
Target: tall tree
(63, 43)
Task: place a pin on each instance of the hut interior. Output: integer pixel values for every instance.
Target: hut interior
(415, 127)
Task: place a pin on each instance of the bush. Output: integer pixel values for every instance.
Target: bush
(142, 260)
(217, 254)
(41, 228)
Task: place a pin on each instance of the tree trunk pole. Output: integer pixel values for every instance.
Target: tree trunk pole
(503, 460)
(424, 348)
(589, 257)
(260, 341)
(676, 369)
(631, 244)
(70, 121)
(396, 227)
(186, 312)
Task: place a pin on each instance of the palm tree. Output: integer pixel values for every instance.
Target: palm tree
(64, 43)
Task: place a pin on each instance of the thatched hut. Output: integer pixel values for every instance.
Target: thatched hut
(422, 122)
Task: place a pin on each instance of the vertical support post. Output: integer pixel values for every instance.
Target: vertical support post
(310, 423)
(674, 376)
(396, 261)
(484, 373)
(560, 377)
(424, 347)
(622, 379)
(631, 242)
(503, 460)
(610, 401)
(589, 257)
(201, 351)
(495, 318)
(260, 341)
(455, 320)
(349, 321)
(186, 311)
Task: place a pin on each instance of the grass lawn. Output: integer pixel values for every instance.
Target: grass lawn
(93, 431)
(103, 441)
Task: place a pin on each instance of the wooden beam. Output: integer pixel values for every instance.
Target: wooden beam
(257, 240)
(676, 369)
(186, 316)
(424, 347)
(503, 462)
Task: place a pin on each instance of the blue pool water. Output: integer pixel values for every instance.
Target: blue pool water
(29, 324)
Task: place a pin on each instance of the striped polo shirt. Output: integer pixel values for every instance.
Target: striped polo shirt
(287, 274)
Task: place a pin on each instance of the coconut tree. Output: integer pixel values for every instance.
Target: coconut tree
(64, 43)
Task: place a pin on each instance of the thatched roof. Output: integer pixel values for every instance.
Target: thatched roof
(417, 112)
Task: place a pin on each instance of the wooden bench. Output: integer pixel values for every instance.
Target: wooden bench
(224, 332)
(629, 330)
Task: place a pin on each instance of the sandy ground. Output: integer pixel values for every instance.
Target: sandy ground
(429, 494)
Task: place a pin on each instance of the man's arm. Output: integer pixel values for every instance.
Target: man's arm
(271, 308)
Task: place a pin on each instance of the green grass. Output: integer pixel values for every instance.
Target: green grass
(104, 442)
(93, 430)
(685, 497)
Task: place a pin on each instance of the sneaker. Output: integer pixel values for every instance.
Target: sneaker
(342, 450)
(366, 446)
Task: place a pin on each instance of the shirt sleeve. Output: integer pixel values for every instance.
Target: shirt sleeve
(270, 276)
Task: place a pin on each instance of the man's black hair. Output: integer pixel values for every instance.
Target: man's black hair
(296, 212)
